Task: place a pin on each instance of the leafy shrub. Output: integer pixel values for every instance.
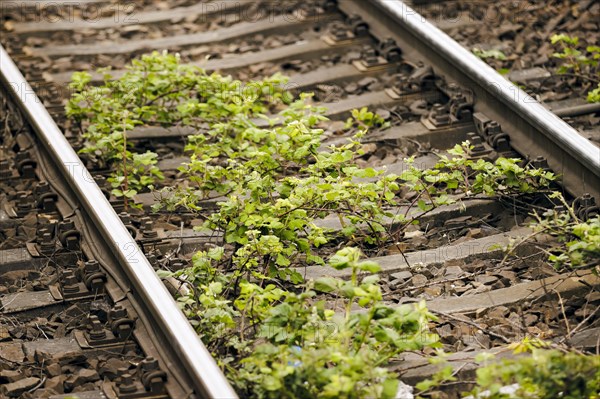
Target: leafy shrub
(272, 332)
(579, 239)
(582, 63)
(157, 90)
(290, 343)
(545, 374)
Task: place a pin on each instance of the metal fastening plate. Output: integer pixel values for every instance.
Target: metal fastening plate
(83, 341)
(55, 292)
(453, 123)
(362, 66)
(160, 236)
(481, 121)
(333, 42)
(394, 94)
(33, 250)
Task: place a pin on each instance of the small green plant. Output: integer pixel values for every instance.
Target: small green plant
(290, 343)
(157, 90)
(270, 223)
(138, 171)
(582, 63)
(543, 374)
(274, 333)
(274, 216)
(593, 96)
(576, 60)
(462, 174)
(579, 240)
(108, 119)
(363, 118)
(493, 53)
(535, 370)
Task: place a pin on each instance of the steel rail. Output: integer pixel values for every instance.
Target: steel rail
(540, 132)
(203, 371)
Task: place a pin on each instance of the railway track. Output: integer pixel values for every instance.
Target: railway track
(71, 269)
(81, 304)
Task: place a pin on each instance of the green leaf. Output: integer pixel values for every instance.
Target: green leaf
(370, 280)
(282, 260)
(216, 253)
(296, 277)
(326, 284)
(423, 205)
(390, 388)
(368, 266)
(339, 262)
(130, 193)
(271, 383)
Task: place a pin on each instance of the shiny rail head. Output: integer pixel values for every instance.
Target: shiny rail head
(519, 102)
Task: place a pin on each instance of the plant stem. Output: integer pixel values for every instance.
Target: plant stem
(367, 328)
(125, 181)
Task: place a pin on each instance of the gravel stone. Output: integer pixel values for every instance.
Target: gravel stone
(12, 351)
(419, 279)
(530, 319)
(53, 369)
(15, 389)
(507, 276)
(487, 280)
(482, 339)
(366, 82)
(434, 291)
(10, 376)
(446, 332)
(351, 88)
(403, 275)
(84, 388)
(56, 384)
(86, 375)
(453, 271)
(476, 265)
(44, 393)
